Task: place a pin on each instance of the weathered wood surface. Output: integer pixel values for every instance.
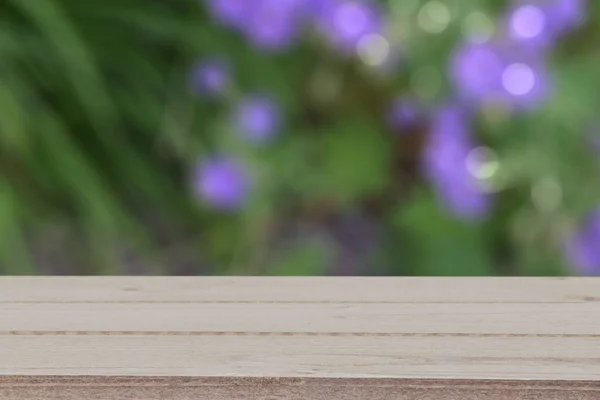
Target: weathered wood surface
(299, 338)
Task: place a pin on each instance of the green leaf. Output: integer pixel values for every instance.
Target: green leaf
(356, 160)
(13, 254)
(303, 259)
(441, 245)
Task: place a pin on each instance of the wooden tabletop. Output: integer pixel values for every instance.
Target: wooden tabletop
(299, 338)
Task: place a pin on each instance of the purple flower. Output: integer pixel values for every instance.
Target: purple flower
(273, 24)
(567, 14)
(258, 118)
(403, 112)
(529, 24)
(537, 24)
(317, 8)
(229, 12)
(526, 82)
(476, 71)
(506, 74)
(222, 183)
(211, 77)
(582, 248)
(445, 163)
(346, 22)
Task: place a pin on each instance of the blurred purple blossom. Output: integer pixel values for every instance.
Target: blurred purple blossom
(274, 24)
(345, 22)
(483, 72)
(537, 24)
(567, 14)
(316, 8)
(476, 71)
(582, 248)
(211, 77)
(526, 82)
(222, 183)
(258, 118)
(445, 163)
(231, 13)
(403, 112)
(529, 25)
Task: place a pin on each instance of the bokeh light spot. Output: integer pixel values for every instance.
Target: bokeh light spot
(546, 195)
(482, 163)
(478, 27)
(518, 79)
(434, 17)
(350, 18)
(373, 49)
(528, 22)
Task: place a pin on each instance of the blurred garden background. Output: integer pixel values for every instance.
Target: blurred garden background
(300, 137)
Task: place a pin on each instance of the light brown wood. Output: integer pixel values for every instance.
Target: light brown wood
(273, 317)
(106, 289)
(299, 338)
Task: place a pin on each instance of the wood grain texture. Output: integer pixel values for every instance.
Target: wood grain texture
(299, 338)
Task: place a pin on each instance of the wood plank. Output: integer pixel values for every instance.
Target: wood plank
(298, 289)
(304, 357)
(460, 318)
(299, 338)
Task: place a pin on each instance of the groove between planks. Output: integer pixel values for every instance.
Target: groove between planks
(573, 301)
(117, 381)
(298, 334)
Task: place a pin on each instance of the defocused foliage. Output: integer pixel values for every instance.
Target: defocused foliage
(102, 129)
